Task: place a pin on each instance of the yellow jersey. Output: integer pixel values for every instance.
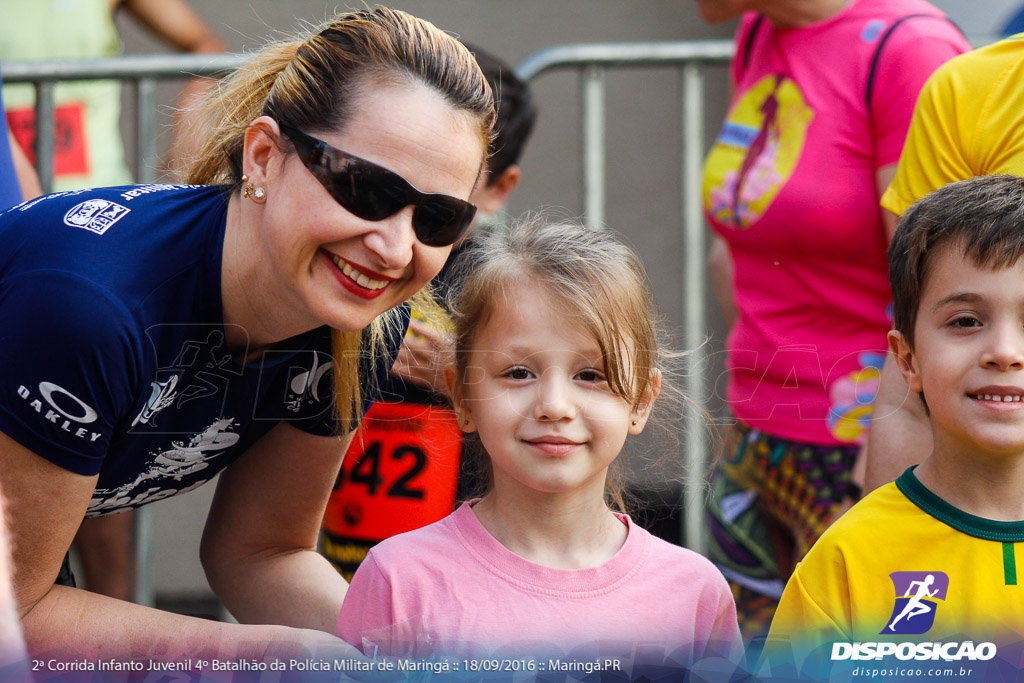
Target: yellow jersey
(969, 121)
(901, 566)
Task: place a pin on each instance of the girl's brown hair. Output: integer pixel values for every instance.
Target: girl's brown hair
(311, 83)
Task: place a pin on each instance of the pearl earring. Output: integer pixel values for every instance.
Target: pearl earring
(258, 193)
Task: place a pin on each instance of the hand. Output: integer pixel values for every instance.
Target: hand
(284, 643)
(424, 354)
(312, 644)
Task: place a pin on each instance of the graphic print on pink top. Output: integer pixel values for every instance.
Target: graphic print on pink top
(790, 186)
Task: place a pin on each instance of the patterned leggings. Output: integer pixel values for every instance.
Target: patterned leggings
(770, 500)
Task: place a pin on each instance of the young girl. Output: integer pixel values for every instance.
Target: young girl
(556, 364)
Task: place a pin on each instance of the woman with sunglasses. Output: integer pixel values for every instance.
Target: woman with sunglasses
(155, 336)
(823, 94)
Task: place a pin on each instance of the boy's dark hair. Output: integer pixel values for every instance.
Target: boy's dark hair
(516, 112)
(983, 218)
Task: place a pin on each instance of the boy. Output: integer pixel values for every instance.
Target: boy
(932, 557)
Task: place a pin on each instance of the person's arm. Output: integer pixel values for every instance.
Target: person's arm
(883, 178)
(899, 434)
(720, 270)
(12, 643)
(45, 504)
(26, 172)
(177, 23)
(936, 151)
(259, 546)
(422, 359)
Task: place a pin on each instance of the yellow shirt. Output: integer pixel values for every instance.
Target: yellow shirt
(969, 121)
(860, 576)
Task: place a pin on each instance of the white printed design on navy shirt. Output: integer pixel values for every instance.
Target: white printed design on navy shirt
(168, 466)
(162, 395)
(96, 215)
(305, 387)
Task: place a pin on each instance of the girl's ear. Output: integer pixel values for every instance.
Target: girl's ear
(462, 411)
(642, 410)
(905, 360)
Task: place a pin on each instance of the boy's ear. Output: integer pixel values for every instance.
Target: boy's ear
(905, 360)
(462, 411)
(491, 198)
(638, 416)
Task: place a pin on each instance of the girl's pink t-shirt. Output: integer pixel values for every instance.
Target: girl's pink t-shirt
(451, 589)
(790, 186)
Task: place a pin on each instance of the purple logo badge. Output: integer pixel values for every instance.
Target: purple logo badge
(917, 596)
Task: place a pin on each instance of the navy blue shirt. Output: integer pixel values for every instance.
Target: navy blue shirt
(112, 347)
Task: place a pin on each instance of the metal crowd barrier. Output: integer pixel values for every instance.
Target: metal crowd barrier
(141, 72)
(591, 61)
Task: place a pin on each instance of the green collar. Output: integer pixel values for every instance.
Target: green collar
(979, 527)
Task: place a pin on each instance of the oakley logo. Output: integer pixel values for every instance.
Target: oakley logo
(64, 409)
(80, 412)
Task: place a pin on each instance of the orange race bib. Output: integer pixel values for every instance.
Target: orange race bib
(400, 473)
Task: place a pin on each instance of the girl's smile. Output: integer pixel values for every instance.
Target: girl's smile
(553, 445)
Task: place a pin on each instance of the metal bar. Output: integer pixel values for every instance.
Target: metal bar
(124, 67)
(593, 96)
(621, 55)
(145, 172)
(694, 314)
(144, 590)
(146, 156)
(187, 66)
(45, 143)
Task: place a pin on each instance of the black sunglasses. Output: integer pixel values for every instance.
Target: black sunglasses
(374, 193)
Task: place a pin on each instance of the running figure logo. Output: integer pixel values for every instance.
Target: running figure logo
(917, 594)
